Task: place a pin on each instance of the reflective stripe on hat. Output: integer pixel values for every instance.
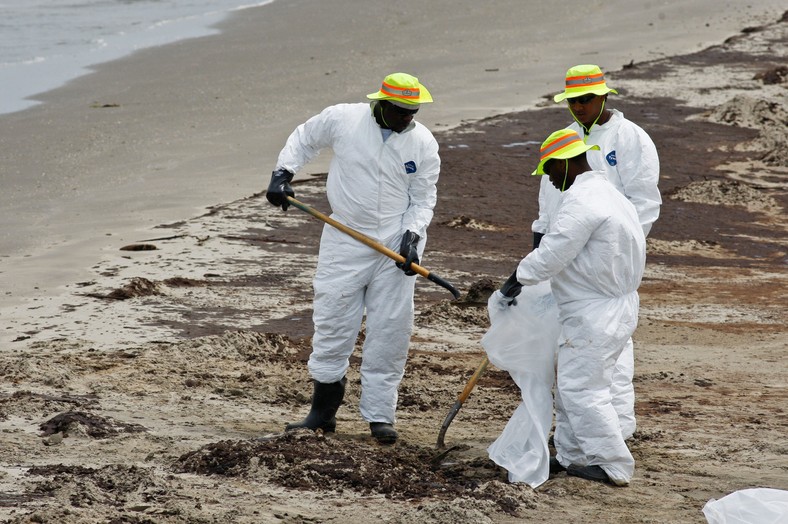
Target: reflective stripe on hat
(558, 144)
(407, 93)
(585, 81)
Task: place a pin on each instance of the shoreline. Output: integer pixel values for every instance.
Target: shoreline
(154, 138)
(61, 56)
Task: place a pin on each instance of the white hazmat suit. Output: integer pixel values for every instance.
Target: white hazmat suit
(380, 188)
(629, 159)
(594, 253)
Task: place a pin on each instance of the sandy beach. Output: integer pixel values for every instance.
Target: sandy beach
(162, 135)
(135, 382)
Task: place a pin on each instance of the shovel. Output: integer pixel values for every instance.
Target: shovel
(458, 404)
(374, 245)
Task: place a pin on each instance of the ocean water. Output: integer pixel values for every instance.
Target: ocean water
(46, 43)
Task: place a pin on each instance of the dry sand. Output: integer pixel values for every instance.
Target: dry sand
(137, 395)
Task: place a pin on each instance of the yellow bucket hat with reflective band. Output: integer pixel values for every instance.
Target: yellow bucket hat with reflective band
(561, 144)
(583, 79)
(402, 89)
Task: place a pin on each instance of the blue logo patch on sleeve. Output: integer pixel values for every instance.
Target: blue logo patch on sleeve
(410, 167)
(611, 158)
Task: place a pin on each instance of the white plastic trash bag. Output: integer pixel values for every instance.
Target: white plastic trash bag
(749, 506)
(523, 340)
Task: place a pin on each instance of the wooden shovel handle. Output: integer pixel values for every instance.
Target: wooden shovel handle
(377, 246)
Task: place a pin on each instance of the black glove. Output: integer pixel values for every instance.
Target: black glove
(407, 248)
(511, 288)
(537, 239)
(279, 188)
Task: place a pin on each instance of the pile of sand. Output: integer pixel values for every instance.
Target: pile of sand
(726, 193)
(768, 116)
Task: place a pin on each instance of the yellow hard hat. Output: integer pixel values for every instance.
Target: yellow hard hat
(564, 143)
(402, 89)
(583, 79)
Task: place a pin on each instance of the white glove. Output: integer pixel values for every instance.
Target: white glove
(500, 301)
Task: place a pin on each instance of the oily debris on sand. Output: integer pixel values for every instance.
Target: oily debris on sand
(307, 460)
(92, 425)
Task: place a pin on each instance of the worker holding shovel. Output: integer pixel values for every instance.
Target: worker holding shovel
(382, 183)
(629, 159)
(594, 255)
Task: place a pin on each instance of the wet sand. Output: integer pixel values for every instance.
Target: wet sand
(161, 136)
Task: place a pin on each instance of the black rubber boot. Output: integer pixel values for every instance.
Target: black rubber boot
(325, 402)
(383, 432)
(555, 466)
(595, 473)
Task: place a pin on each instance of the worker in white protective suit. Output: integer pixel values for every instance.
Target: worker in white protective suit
(628, 157)
(594, 253)
(382, 183)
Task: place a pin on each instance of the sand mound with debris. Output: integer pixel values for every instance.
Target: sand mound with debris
(768, 116)
(725, 193)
